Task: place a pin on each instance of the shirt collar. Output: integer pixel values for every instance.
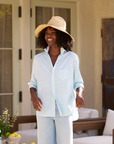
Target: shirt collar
(62, 50)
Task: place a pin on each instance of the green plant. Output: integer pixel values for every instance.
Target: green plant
(6, 123)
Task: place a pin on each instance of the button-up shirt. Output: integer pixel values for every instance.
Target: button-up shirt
(56, 83)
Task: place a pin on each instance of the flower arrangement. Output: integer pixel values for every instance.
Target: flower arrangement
(6, 123)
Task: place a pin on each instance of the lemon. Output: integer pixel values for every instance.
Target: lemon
(18, 135)
(7, 134)
(11, 135)
(14, 134)
(32, 143)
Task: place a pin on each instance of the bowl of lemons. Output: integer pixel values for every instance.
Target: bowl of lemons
(15, 137)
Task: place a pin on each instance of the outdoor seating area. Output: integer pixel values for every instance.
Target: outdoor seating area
(105, 127)
(84, 113)
(87, 124)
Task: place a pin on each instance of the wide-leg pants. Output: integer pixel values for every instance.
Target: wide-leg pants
(52, 130)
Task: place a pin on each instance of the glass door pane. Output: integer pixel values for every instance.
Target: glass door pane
(43, 14)
(65, 13)
(5, 26)
(5, 71)
(6, 91)
(6, 101)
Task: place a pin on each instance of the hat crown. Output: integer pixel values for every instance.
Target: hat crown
(57, 21)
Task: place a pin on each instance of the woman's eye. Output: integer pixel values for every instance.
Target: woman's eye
(53, 32)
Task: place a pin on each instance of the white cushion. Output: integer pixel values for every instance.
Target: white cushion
(83, 114)
(109, 124)
(93, 140)
(83, 134)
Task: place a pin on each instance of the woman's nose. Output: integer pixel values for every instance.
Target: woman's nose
(49, 34)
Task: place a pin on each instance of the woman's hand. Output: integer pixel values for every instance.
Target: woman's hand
(79, 98)
(36, 101)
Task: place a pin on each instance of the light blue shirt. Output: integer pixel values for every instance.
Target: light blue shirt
(56, 83)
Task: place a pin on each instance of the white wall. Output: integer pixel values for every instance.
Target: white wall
(86, 48)
(90, 14)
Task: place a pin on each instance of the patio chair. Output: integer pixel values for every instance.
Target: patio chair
(105, 127)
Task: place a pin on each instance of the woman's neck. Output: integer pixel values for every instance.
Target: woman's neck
(54, 51)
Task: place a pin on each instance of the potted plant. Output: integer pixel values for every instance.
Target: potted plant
(6, 123)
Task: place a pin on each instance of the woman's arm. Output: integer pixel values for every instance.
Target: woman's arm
(79, 98)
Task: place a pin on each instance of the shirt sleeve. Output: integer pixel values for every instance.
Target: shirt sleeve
(78, 81)
(33, 81)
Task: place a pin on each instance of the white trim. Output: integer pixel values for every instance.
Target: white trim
(1, 94)
(52, 11)
(15, 45)
(39, 49)
(6, 48)
(7, 1)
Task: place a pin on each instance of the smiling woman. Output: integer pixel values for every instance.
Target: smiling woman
(56, 78)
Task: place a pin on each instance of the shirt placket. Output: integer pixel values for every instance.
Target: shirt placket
(56, 105)
(57, 108)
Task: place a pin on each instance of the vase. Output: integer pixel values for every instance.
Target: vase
(5, 141)
(3, 137)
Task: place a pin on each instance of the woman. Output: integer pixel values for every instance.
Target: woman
(56, 84)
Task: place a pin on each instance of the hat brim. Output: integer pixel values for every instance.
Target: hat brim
(43, 26)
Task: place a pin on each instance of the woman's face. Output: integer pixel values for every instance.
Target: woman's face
(50, 36)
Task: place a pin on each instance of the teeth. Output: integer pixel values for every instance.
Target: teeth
(49, 39)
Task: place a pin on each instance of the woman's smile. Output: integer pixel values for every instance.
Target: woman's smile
(49, 39)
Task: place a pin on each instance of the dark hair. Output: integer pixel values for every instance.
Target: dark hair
(63, 40)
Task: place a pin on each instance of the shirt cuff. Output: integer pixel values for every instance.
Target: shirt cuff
(32, 84)
(78, 85)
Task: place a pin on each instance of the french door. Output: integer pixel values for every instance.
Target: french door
(9, 63)
(108, 64)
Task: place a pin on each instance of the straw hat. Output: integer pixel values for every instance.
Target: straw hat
(56, 22)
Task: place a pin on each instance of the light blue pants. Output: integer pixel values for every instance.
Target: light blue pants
(52, 130)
